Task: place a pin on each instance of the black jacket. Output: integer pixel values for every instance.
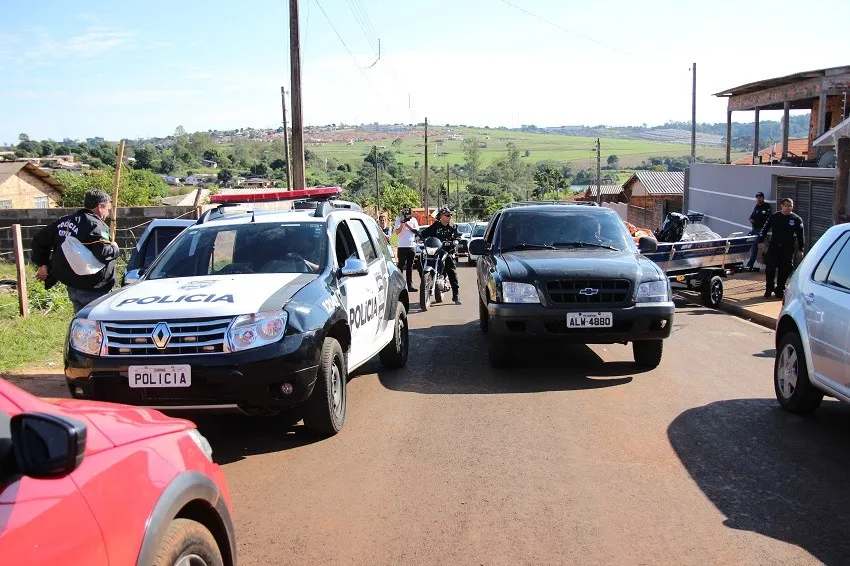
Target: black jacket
(88, 229)
(760, 214)
(786, 229)
(447, 234)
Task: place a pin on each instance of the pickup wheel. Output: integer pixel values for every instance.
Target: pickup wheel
(498, 351)
(791, 382)
(394, 354)
(483, 316)
(648, 353)
(324, 411)
(188, 543)
(711, 290)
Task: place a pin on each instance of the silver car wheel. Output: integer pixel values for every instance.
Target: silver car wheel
(786, 371)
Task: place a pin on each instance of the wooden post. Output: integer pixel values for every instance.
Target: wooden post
(286, 141)
(117, 180)
(821, 112)
(786, 110)
(728, 137)
(756, 137)
(298, 177)
(23, 301)
(842, 179)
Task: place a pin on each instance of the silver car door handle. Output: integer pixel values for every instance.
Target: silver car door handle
(809, 298)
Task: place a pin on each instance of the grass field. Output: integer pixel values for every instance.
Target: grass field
(580, 151)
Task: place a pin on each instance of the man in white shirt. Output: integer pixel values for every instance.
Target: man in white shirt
(406, 227)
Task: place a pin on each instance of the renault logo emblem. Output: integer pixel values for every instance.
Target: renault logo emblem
(161, 335)
(588, 292)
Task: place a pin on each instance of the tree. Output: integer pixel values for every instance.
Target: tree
(212, 154)
(395, 195)
(260, 169)
(137, 187)
(23, 137)
(549, 178)
(225, 176)
(168, 164)
(472, 156)
(144, 157)
(279, 164)
(613, 162)
(180, 131)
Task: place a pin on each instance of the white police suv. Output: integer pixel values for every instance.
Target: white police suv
(262, 310)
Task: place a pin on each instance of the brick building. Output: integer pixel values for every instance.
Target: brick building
(23, 185)
(651, 195)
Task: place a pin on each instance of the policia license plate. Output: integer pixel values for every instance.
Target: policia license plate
(590, 320)
(160, 376)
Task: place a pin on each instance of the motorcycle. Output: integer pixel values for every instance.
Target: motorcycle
(432, 257)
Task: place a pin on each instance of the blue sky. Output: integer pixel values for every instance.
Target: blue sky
(141, 69)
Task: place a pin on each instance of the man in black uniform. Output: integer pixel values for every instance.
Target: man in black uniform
(787, 238)
(761, 213)
(86, 225)
(447, 233)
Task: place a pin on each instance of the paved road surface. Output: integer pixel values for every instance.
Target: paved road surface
(571, 457)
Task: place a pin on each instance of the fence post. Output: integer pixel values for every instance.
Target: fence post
(23, 301)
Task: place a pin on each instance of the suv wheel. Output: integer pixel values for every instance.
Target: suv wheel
(188, 543)
(394, 354)
(648, 353)
(324, 411)
(791, 382)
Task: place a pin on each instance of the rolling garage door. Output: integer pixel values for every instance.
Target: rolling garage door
(813, 201)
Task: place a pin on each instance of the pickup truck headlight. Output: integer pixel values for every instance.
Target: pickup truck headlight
(255, 330)
(513, 292)
(654, 292)
(86, 336)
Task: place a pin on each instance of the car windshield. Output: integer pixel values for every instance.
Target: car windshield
(464, 228)
(244, 248)
(563, 229)
(479, 230)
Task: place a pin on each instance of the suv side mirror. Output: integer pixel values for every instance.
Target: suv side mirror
(647, 245)
(132, 277)
(47, 446)
(478, 247)
(354, 267)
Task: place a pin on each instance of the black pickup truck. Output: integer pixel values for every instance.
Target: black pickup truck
(571, 274)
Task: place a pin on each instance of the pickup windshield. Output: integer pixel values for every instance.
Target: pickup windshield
(244, 248)
(559, 229)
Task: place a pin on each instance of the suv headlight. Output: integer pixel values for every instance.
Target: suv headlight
(654, 292)
(513, 292)
(86, 336)
(255, 330)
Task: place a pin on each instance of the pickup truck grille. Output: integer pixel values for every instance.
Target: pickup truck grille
(181, 337)
(589, 291)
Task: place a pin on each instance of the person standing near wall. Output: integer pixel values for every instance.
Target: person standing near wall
(86, 225)
(788, 238)
(758, 218)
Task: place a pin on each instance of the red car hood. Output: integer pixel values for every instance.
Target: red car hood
(119, 424)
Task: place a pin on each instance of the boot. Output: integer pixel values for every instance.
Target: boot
(411, 288)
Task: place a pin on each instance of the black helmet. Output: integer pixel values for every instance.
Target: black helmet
(444, 210)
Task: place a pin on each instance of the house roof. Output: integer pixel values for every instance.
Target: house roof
(784, 81)
(658, 182)
(797, 147)
(11, 168)
(606, 189)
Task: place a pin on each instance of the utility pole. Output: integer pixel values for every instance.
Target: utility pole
(694, 115)
(377, 186)
(425, 188)
(286, 140)
(598, 173)
(298, 180)
(113, 225)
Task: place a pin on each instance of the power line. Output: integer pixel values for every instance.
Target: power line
(370, 39)
(369, 25)
(562, 28)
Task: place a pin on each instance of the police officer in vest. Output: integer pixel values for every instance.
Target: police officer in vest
(787, 239)
(759, 216)
(447, 233)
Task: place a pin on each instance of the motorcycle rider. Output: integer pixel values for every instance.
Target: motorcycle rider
(447, 233)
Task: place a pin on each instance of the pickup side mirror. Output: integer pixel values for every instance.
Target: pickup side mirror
(647, 245)
(354, 267)
(478, 247)
(132, 277)
(47, 446)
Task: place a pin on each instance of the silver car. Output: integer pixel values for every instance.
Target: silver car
(478, 230)
(813, 330)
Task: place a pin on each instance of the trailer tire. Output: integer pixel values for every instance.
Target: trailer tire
(711, 290)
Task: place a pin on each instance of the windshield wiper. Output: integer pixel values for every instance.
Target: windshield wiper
(586, 245)
(528, 247)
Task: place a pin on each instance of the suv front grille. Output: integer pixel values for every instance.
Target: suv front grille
(589, 291)
(199, 336)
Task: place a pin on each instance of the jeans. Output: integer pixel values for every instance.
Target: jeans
(82, 297)
(754, 250)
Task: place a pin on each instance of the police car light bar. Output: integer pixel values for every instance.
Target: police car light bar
(320, 193)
